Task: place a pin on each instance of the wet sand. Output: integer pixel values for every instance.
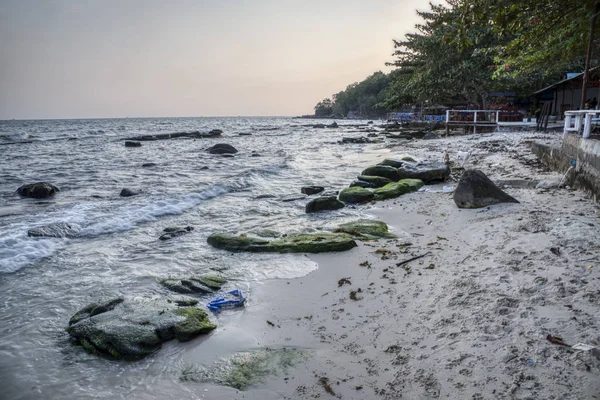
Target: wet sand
(469, 320)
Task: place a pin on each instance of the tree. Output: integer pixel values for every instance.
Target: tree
(324, 108)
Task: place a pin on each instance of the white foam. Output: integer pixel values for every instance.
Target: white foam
(18, 250)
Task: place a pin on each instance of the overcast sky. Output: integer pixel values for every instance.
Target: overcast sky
(135, 58)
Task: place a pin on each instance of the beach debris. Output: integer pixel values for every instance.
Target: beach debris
(463, 156)
(365, 264)
(555, 251)
(354, 294)
(412, 259)
(236, 299)
(556, 340)
(270, 323)
(530, 363)
(476, 190)
(430, 266)
(38, 190)
(344, 281)
(324, 382)
(583, 347)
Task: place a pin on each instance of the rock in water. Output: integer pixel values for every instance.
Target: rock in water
(324, 203)
(174, 232)
(333, 125)
(132, 329)
(475, 190)
(130, 143)
(194, 285)
(303, 243)
(376, 181)
(426, 171)
(366, 228)
(363, 184)
(58, 229)
(125, 192)
(222, 148)
(38, 190)
(354, 195)
(385, 171)
(308, 190)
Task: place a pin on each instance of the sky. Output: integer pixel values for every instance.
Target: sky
(156, 58)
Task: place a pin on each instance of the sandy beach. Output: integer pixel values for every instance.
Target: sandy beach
(469, 320)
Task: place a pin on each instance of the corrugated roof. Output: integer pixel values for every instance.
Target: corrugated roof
(563, 81)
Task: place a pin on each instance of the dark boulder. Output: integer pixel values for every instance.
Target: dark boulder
(149, 164)
(430, 135)
(132, 329)
(194, 285)
(363, 184)
(222, 148)
(318, 126)
(431, 171)
(324, 203)
(308, 190)
(125, 192)
(356, 195)
(215, 132)
(130, 143)
(173, 232)
(475, 190)
(333, 125)
(57, 229)
(375, 181)
(392, 162)
(38, 190)
(385, 171)
(291, 198)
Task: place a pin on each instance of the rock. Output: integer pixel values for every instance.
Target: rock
(430, 135)
(396, 189)
(376, 181)
(333, 125)
(150, 164)
(308, 190)
(57, 229)
(255, 154)
(302, 243)
(38, 190)
(265, 196)
(371, 229)
(363, 184)
(392, 162)
(222, 148)
(475, 190)
(359, 140)
(324, 203)
(244, 134)
(385, 171)
(431, 171)
(293, 198)
(125, 192)
(194, 285)
(318, 126)
(132, 329)
(215, 132)
(227, 155)
(369, 122)
(173, 232)
(130, 143)
(355, 195)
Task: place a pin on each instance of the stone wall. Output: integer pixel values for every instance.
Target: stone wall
(584, 153)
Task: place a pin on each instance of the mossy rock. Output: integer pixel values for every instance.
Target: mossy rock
(431, 171)
(212, 281)
(303, 243)
(366, 228)
(375, 181)
(194, 285)
(196, 323)
(130, 329)
(393, 162)
(385, 171)
(355, 195)
(323, 203)
(396, 189)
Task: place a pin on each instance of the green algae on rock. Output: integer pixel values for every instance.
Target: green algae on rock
(396, 189)
(355, 195)
(302, 243)
(243, 370)
(323, 203)
(194, 284)
(376, 181)
(367, 228)
(385, 171)
(130, 329)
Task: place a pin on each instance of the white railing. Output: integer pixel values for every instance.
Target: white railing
(451, 113)
(574, 120)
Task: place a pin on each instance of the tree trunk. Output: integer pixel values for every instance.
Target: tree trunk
(588, 55)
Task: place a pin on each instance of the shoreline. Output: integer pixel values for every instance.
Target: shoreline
(469, 320)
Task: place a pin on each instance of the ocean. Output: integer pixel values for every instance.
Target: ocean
(116, 251)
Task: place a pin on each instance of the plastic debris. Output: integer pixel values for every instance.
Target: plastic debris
(556, 340)
(236, 299)
(448, 189)
(583, 346)
(531, 363)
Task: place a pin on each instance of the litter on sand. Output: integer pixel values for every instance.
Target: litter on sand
(583, 346)
(235, 299)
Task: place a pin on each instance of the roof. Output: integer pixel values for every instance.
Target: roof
(575, 76)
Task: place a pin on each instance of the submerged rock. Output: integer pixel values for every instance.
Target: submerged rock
(38, 190)
(194, 285)
(132, 329)
(354, 195)
(173, 232)
(125, 192)
(385, 171)
(302, 243)
(323, 203)
(130, 143)
(426, 171)
(57, 229)
(333, 125)
(376, 181)
(476, 190)
(396, 189)
(308, 190)
(366, 228)
(222, 148)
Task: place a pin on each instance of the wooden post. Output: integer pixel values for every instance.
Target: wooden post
(588, 55)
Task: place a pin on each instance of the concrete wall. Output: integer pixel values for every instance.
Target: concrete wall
(585, 153)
